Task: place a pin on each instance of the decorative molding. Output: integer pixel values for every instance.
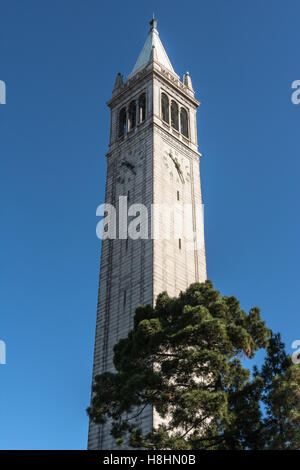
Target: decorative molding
(155, 69)
(130, 139)
(172, 140)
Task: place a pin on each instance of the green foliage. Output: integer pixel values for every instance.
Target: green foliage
(281, 396)
(183, 358)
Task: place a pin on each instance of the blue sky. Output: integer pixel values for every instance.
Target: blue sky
(59, 60)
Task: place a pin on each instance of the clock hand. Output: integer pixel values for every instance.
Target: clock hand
(177, 166)
(129, 165)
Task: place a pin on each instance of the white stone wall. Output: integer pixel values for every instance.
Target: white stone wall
(176, 268)
(144, 268)
(125, 266)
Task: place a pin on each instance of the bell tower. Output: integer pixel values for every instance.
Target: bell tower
(153, 182)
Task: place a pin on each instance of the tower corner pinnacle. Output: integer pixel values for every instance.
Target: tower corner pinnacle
(118, 81)
(188, 81)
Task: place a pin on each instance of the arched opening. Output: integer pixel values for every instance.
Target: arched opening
(131, 115)
(174, 115)
(184, 123)
(142, 107)
(122, 122)
(165, 107)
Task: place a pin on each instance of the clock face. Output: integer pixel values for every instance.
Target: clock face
(177, 166)
(129, 164)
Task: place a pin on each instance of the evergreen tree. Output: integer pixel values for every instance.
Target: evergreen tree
(281, 397)
(183, 358)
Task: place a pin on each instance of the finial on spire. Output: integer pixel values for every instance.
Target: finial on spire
(153, 23)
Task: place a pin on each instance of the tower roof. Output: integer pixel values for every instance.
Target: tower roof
(145, 54)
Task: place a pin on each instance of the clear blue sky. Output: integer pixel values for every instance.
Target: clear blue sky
(59, 59)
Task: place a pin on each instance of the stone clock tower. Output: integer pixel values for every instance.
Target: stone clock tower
(153, 161)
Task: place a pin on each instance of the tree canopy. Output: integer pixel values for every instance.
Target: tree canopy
(185, 357)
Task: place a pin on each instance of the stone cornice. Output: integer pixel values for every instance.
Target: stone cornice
(155, 69)
(129, 85)
(171, 139)
(176, 84)
(130, 138)
(180, 146)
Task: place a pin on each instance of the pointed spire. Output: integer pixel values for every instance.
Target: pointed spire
(146, 53)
